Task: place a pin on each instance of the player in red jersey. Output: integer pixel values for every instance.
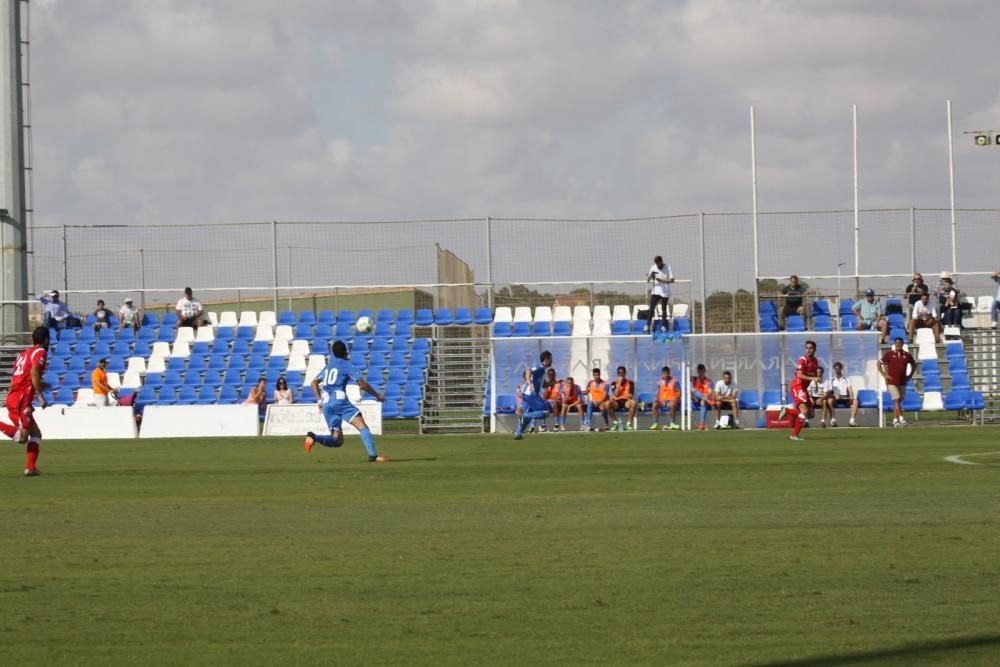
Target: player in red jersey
(26, 382)
(805, 372)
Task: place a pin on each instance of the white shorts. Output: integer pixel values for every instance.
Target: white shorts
(101, 400)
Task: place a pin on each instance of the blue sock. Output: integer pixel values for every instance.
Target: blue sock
(326, 440)
(703, 410)
(590, 413)
(368, 440)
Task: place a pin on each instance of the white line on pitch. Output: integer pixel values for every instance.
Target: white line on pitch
(958, 458)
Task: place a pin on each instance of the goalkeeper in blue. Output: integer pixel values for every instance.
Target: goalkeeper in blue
(330, 388)
(533, 406)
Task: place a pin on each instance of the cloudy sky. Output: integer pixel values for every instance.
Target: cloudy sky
(154, 110)
(159, 112)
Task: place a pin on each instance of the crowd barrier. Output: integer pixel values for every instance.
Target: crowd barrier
(303, 417)
(192, 421)
(60, 422)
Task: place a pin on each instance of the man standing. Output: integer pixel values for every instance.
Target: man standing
(668, 397)
(25, 384)
(791, 300)
(870, 315)
(995, 309)
(925, 315)
(661, 276)
(533, 404)
(805, 373)
(623, 398)
(726, 395)
(189, 311)
(897, 367)
(99, 381)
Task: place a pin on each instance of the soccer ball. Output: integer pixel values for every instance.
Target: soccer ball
(364, 325)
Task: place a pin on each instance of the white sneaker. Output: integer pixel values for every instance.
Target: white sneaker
(852, 422)
(833, 423)
(903, 422)
(822, 423)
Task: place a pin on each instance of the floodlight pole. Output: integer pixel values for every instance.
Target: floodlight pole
(951, 189)
(756, 251)
(857, 227)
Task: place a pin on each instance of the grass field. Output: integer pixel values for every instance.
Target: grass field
(740, 548)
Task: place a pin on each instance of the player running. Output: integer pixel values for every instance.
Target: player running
(805, 372)
(330, 388)
(533, 405)
(24, 385)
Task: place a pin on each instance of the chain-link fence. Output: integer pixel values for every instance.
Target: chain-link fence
(295, 265)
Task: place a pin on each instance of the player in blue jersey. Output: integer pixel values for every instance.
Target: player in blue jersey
(330, 388)
(533, 405)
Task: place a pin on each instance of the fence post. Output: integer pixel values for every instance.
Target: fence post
(913, 240)
(756, 252)
(65, 260)
(701, 243)
(142, 279)
(274, 262)
(489, 262)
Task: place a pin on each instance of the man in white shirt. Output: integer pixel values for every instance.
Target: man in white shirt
(189, 312)
(817, 391)
(839, 394)
(925, 315)
(726, 395)
(661, 276)
(128, 315)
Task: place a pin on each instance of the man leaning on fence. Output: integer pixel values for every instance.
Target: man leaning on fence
(661, 276)
(790, 300)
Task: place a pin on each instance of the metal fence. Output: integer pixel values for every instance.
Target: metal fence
(715, 251)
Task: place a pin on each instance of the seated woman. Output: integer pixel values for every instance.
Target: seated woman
(282, 394)
(258, 395)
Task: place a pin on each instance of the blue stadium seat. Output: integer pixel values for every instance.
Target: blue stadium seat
(145, 396)
(359, 358)
(229, 394)
(415, 374)
(176, 364)
(277, 363)
(206, 394)
(893, 306)
(343, 330)
(326, 317)
(421, 345)
(425, 317)
(193, 378)
(771, 397)
(541, 329)
(501, 329)
(397, 359)
(233, 376)
(366, 312)
(77, 364)
(117, 365)
(898, 333)
(621, 327)
(386, 316)
(71, 382)
(404, 316)
(106, 335)
(795, 323)
(213, 376)
(444, 317)
(896, 321)
(768, 323)
(418, 359)
(147, 333)
(463, 316)
(101, 348)
(241, 347)
(257, 363)
(166, 334)
(154, 380)
(822, 323)
(976, 401)
(201, 347)
(956, 399)
(821, 307)
(682, 325)
(87, 335)
(867, 398)
(403, 330)
(957, 364)
(307, 317)
(749, 400)
(260, 347)
(390, 409)
(169, 320)
(245, 333)
(506, 405)
(223, 335)
(294, 379)
(346, 316)
(397, 375)
(911, 402)
(887, 402)
(960, 380)
(848, 322)
(127, 334)
(767, 308)
(186, 396)
(484, 316)
(380, 345)
(51, 378)
(197, 361)
(562, 328)
(411, 408)
(521, 329)
(150, 320)
(172, 379)
(845, 307)
(393, 390)
(64, 349)
(286, 317)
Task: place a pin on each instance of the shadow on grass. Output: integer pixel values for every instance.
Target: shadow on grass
(917, 650)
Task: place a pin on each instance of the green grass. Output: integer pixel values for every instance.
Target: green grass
(855, 547)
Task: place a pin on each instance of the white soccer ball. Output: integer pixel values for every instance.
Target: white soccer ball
(364, 325)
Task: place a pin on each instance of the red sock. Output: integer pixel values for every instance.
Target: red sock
(32, 459)
(800, 421)
(9, 430)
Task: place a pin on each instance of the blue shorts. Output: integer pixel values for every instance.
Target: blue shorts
(336, 412)
(534, 403)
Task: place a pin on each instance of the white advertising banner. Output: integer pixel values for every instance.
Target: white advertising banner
(192, 421)
(302, 417)
(60, 422)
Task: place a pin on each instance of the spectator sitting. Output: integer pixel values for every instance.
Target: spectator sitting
(102, 317)
(701, 394)
(258, 395)
(838, 394)
(572, 398)
(57, 315)
(870, 315)
(791, 300)
(128, 316)
(913, 292)
(282, 394)
(925, 315)
(726, 395)
(623, 398)
(951, 311)
(189, 311)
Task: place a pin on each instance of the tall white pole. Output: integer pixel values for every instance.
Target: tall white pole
(857, 227)
(951, 190)
(274, 263)
(704, 298)
(756, 252)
